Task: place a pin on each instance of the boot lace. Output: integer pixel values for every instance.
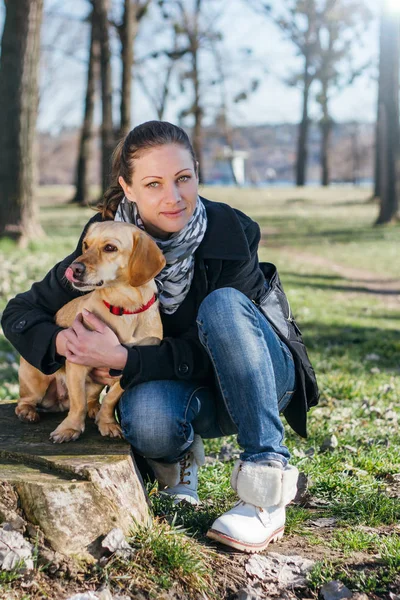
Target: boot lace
(184, 464)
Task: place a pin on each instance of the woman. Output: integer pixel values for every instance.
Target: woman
(222, 368)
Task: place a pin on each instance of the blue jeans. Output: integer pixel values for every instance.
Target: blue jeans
(254, 381)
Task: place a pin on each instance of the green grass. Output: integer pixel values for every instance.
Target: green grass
(331, 260)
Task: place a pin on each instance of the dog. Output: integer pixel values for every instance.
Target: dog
(118, 266)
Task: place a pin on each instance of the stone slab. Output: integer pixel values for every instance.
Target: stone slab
(75, 492)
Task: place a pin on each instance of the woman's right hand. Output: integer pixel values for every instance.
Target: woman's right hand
(61, 342)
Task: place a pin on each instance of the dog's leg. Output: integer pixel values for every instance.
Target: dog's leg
(106, 419)
(74, 424)
(56, 398)
(33, 386)
(93, 391)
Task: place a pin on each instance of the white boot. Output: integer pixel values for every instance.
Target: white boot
(180, 479)
(259, 516)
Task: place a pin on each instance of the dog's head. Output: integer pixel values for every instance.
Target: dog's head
(115, 254)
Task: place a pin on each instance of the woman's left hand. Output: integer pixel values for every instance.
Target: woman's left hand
(99, 348)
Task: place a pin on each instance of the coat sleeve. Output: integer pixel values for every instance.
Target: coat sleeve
(28, 319)
(184, 357)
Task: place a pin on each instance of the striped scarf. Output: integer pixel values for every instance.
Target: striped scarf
(175, 279)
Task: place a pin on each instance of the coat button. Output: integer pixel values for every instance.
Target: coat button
(20, 324)
(183, 369)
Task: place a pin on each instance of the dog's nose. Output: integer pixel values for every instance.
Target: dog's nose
(78, 270)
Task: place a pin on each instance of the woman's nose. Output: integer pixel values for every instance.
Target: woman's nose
(173, 194)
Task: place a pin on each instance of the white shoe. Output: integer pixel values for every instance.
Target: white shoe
(181, 478)
(249, 528)
(259, 517)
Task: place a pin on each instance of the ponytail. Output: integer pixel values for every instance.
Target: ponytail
(114, 194)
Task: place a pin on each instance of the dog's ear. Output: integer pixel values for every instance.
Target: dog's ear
(146, 260)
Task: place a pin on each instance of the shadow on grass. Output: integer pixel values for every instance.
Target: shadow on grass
(336, 277)
(356, 343)
(344, 288)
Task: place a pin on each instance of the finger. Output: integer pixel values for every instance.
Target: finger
(73, 349)
(70, 335)
(97, 323)
(77, 325)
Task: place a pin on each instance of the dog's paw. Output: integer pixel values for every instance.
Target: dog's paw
(27, 413)
(65, 434)
(110, 429)
(93, 410)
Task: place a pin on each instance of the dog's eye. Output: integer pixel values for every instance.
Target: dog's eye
(84, 246)
(110, 248)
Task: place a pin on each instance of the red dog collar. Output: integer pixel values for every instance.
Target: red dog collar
(119, 310)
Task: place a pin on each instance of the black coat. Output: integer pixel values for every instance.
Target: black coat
(226, 257)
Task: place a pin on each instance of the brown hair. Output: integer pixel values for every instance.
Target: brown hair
(142, 138)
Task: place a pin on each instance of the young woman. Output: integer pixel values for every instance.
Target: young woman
(222, 367)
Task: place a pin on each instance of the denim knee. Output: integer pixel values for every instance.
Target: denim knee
(151, 425)
(220, 305)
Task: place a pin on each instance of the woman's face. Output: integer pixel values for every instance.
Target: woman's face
(164, 187)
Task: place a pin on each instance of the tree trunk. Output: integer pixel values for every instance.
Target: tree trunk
(107, 132)
(326, 130)
(82, 194)
(18, 113)
(127, 35)
(301, 161)
(377, 133)
(388, 118)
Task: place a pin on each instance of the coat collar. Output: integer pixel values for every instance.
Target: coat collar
(224, 237)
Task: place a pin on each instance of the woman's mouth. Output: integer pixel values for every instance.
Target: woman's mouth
(173, 214)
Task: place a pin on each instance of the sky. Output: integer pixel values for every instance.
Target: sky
(63, 69)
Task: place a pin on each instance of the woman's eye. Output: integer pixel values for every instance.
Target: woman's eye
(110, 248)
(153, 184)
(184, 178)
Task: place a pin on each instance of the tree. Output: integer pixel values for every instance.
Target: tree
(134, 11)
(19, 64)
(298, 21)
(107, 131)
(341, 24)
(195, 28)
(388, 137)
(82, 195)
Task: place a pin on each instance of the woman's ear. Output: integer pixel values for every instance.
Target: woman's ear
(197, 170)
(126, 188)
(146, 260)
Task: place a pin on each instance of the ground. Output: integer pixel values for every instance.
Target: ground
(342, 276)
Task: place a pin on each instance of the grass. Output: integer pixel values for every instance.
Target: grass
(341, 275)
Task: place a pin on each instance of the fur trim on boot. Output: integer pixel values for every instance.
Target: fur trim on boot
(264, 485)
(168, 475)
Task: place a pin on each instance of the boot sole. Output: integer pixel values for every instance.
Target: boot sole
(238, 545)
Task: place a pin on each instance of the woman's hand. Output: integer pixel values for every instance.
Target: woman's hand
(99, 348)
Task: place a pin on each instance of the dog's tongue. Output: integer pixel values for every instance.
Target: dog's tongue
(69, 274)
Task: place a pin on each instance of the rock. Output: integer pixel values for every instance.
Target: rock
(324, 522)
(335, 590)
(303, 484)
(14, 550)
(75, 492)
(115, 542)
(247, 593)
(105, 594)
(84, 596)
(362, 596)
(329, 443)
(279, 569)
(372, 357)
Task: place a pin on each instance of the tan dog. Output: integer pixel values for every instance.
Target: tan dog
(118, 265)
